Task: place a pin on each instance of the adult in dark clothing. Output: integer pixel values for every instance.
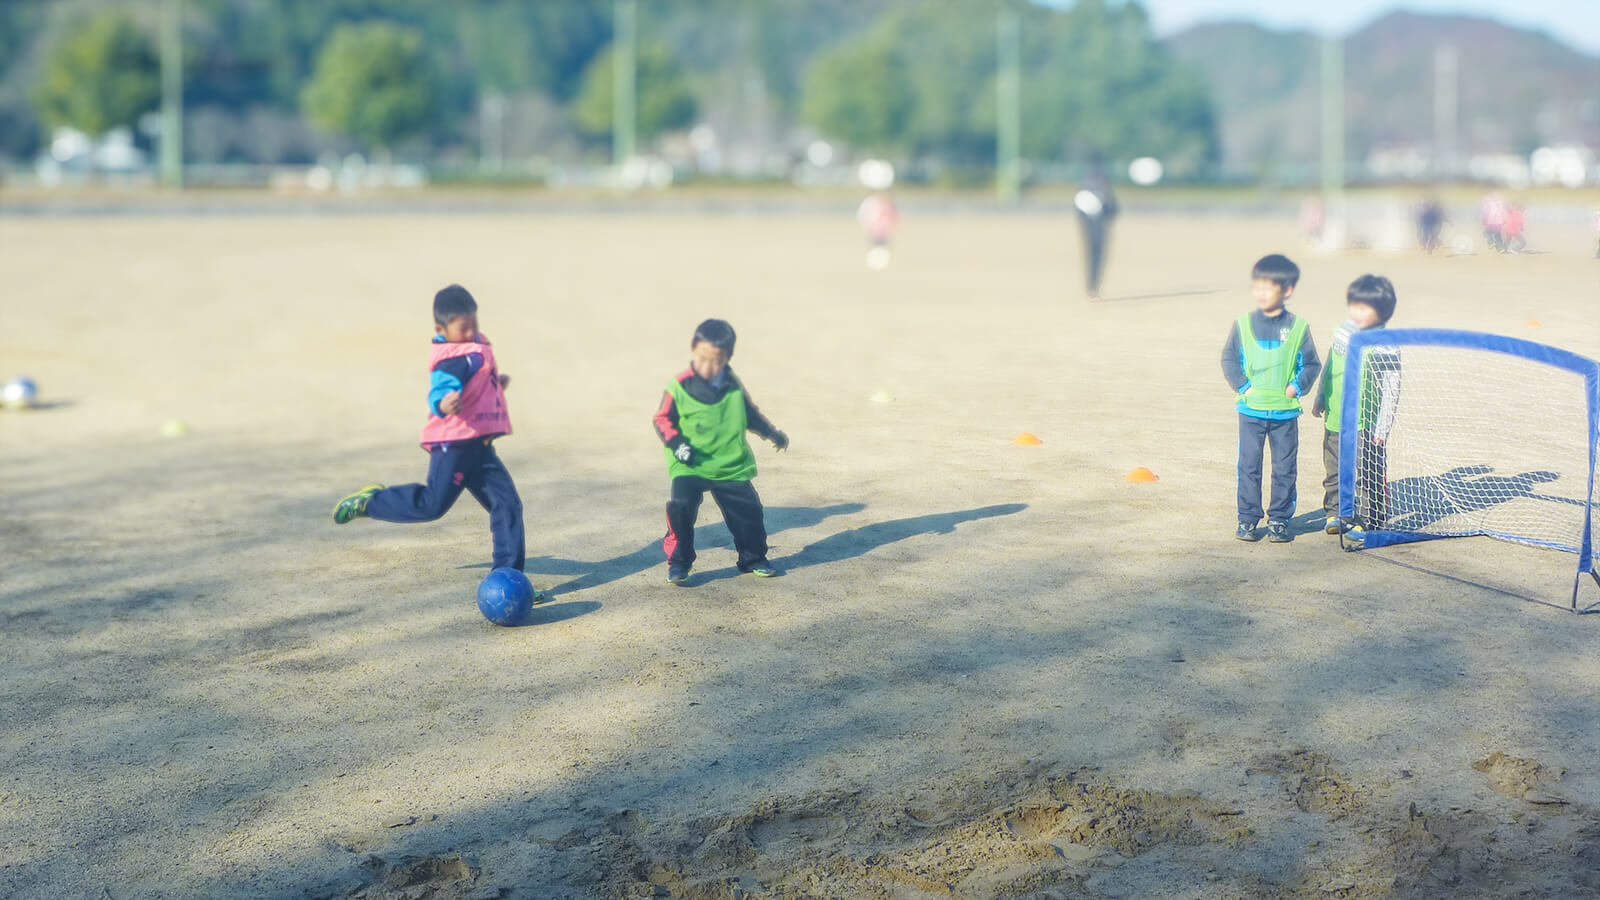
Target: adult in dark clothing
(1096, 206)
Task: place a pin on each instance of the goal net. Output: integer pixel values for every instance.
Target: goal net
(1454, 433)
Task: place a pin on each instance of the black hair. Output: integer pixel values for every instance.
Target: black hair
(452, 303)
(715, 332)
(1375, 291)
(1278, 269)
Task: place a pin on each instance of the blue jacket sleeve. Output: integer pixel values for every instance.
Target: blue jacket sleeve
(449, 375)
(440, 384)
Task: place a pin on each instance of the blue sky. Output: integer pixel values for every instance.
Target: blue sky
(1574, 22)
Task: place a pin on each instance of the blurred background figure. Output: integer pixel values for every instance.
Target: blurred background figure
(1430, 223)
(1494, 211)
(1511, 234)
(1597, 234)
(878, 218)
(1096, 207)
(1313, 216)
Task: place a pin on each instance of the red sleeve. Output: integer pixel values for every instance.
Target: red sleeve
(666, 421)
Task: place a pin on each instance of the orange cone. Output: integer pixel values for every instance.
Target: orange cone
(1141, 474)
(1027, 439)
(1535, 323)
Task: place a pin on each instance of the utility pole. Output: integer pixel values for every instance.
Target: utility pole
(1333, 140)
(1446, 97)
(492, 132)
(172, 93)
(625, 45)
(1008, 106)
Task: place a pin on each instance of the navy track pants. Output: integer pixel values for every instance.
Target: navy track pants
(472, 466)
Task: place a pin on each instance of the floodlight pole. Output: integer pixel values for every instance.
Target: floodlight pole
(1446, 83)
(1008, 103)
(624, 43)
(1333, 137)
(172, 93)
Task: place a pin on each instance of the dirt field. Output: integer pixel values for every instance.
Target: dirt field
(990, 671)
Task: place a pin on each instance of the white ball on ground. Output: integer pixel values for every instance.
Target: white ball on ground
(20, 393)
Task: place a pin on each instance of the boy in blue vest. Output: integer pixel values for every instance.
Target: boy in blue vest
(1371, 301)
(701, 422)
(1270, 362)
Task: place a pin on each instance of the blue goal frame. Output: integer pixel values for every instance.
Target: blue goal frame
(1447, 337)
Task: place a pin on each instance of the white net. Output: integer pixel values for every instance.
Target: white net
(1454, 440)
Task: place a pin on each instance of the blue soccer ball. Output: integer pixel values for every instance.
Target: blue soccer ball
(505, 596)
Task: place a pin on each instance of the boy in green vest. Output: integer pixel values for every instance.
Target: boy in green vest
(701, 422)
(1270, 362)
(1371, 302)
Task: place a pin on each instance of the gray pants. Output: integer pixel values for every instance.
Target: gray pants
(1284, 436)
(1371, 482)
(1330, 462)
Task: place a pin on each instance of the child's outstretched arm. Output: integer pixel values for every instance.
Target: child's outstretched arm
(761, 425)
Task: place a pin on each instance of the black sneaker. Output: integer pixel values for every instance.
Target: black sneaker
(1247, 532)
(1278, 533)
(762, 570)
(678, 575)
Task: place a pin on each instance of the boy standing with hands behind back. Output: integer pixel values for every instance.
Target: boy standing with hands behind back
(1370, 301)
(1270, 362)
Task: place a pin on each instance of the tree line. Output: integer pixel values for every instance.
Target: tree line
(914, 79)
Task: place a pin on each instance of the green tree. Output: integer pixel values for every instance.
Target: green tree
(860, 93)
(1093, 79)
(103, 73)
(663, 99)
(373, 82)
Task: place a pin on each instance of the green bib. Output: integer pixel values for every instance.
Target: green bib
(1270, 371)
(716, 432)
(1333, 390)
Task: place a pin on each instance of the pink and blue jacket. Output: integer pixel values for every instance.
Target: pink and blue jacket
(467, 367)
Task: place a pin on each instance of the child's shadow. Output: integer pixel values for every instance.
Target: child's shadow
(860, 541)
(594, 574)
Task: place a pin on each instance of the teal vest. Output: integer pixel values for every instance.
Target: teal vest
(716, 432)
(1270, 371)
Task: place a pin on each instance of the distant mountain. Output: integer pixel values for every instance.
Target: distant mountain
(1517, 89)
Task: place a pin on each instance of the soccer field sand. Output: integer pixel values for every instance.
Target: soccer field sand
(990, 671)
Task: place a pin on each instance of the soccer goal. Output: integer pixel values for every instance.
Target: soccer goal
(1455, 433)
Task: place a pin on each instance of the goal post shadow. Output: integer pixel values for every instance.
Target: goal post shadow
(1592, 608)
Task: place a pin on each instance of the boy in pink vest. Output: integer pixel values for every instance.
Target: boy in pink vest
(466, 412)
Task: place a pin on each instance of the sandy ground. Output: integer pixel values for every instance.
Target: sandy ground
(990, 671)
